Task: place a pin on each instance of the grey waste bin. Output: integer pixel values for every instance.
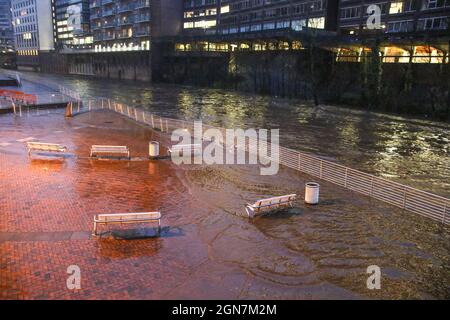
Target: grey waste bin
(312, 193)
(153, 149)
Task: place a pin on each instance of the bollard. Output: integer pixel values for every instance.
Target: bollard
(69, 110)
(153, 149)
(312, 193)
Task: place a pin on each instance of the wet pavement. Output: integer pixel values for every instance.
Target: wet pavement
(207, 249)
(415, 152)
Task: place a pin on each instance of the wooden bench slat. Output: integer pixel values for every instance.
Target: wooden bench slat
(96, 149)
(43, 146)
(139, 217)
(270, 203)
(128, 216)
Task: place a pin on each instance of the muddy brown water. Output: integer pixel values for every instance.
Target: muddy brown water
(406, 150)
(308, 251)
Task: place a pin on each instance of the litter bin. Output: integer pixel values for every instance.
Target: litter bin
(312, 193)
(153, 149)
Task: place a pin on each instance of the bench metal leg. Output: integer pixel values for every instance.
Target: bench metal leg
(94, 232)
(248, 212)
(159, 226)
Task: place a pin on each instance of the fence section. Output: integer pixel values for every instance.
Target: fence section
(396, 194)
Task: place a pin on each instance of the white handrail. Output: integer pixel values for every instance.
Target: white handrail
(405, 197)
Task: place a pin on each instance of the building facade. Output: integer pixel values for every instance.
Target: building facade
(242, 16)
(6, 28)
(120, 25)
(73, 24)
(34, 30)
(396, 16)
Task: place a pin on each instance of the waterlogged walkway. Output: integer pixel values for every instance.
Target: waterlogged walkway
(207, 249)
(409, 151)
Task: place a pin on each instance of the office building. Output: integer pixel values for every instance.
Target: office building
(73, 24)
(6, 29)
(120, 25)
(244, 16)
(396, 16)
(34, 31)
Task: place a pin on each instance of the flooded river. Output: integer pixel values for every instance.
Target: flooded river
(410, 151)
(306, 252)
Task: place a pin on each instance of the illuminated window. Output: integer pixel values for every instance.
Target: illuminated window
(316, 23)
(225, 9)
(298, 25)
(396, 7)
(205, 24)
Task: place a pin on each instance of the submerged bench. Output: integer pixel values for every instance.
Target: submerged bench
(270, 204)
(42, 146)
(115, 218)
(193, 148)
(97, 149)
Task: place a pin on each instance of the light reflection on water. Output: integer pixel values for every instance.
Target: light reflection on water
(330, 244)
(410, 151)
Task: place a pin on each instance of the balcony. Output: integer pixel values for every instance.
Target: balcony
(108, 1)
(123, 36)
(110, 24)
(142, 4)
(141, 33)
(109, 36)
(95, 4)
(98, 37)
(96, 15)
(124, 22)
(111, 12)
(126, 8)
(142, 18)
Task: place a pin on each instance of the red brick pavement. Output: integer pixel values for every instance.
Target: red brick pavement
(207, 250)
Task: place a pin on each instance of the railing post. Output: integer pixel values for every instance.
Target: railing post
(321, 169)
(404, 199)
(299, 162)
(89, 105)
(371, 187)
(346, 175)
(153, 121)
(445, 213)
(143, 116)
(161, 124)
(167, 126)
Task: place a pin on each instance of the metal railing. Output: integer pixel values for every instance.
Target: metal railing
(396, 194)
(69, 93)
